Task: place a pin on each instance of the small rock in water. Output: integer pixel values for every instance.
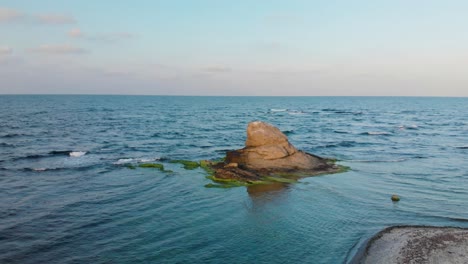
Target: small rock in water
(395, 198)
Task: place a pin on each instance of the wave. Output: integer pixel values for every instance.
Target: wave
(462, 147)
(410, 127)
(380, 161)
(296, 112)
(338, 111)
(32, 156)
(2, 144)
(44, 169)
(376, 133)
(124, 161)
(278, 110)
(340, 132)
(77, 154)
(389, 160)
(69, 153)
(12, 135)
(135, 160)
(41, 169)
(344, 144)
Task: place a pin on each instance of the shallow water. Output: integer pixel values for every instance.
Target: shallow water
(67, 196)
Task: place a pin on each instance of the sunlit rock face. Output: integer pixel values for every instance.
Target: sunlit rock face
(267, 148)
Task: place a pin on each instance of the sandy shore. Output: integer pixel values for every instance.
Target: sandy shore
(417, 244)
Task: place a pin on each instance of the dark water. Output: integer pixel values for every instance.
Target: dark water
(57, 208)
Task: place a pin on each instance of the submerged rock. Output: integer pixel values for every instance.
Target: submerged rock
(267, 153)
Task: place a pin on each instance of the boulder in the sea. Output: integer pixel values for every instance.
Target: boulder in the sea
(267, 148)
(268, 152)
(395, 198)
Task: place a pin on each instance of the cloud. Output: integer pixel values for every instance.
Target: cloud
(217, 69)
(103, 37)
(9, 15)
(58, 49)
(54, 19)
(75, 33)
(4, 50)
(112, 37)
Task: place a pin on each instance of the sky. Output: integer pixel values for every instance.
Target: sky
(242, 47)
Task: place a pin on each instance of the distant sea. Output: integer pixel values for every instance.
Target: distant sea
(68, 196)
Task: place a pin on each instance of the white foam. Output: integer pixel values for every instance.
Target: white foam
(408, 127)
(123, 161)
(378, 133)
(278, 110)
(130, 160)
(39, 169)
(296, 112)
(77, 154)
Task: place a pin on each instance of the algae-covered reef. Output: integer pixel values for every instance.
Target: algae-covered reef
(267, 158)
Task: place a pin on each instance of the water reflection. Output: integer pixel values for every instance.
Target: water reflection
(268, 191)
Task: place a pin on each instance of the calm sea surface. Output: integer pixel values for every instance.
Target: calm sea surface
(67, 196)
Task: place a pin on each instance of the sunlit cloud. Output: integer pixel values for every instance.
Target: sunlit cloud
(10, 15)
(55, 19)
(58, 49)
(112, 37)
(77, 33)
(5, 50)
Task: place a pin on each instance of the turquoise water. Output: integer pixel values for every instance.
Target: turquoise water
(67, 195)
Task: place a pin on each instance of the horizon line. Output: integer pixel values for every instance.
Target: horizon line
(169, 95)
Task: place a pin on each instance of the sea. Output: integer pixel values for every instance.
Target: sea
(70, 192)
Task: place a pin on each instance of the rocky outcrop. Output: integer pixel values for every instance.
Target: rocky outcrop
(268, 152)
(416, 244)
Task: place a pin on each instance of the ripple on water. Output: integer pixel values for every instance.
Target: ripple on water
(91, 208)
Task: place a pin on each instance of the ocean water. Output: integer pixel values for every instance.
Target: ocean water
(67, 196)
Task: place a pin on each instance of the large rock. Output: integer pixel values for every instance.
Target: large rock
(267, 148)
(268, 152)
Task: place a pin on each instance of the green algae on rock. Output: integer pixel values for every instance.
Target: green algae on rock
(152, 165)
(188, 165)
(130, 166)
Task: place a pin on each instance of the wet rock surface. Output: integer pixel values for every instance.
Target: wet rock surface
(417, 244)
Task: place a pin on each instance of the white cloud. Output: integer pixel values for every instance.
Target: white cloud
(54, 19)
(103, 37)
(58, 49)
(112, 37)
(5, 50)
(9, 15)
(75, 33)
